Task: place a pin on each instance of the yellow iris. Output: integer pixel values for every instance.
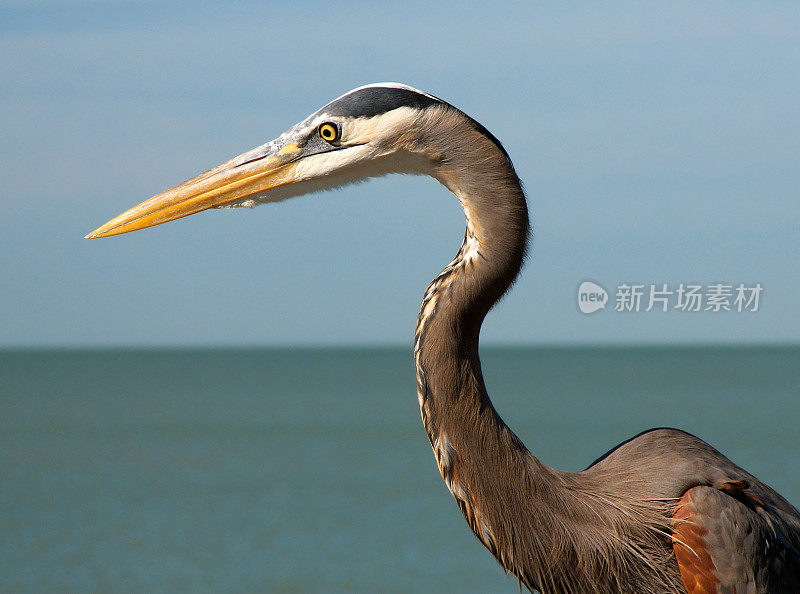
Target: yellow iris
(328, 132)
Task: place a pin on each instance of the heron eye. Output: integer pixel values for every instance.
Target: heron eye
(329, 132)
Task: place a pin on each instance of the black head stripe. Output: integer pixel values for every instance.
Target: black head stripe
(373, 101)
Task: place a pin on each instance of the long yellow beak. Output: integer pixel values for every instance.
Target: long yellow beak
(251, 173)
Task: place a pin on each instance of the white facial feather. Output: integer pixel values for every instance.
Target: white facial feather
(372, 148)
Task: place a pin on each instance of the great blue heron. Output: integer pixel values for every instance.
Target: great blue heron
(662, 512)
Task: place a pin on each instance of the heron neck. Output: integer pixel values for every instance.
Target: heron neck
(535, 520)
(483, 179)
(471, 442)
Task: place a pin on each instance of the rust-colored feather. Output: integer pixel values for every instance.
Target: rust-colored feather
(694, 561)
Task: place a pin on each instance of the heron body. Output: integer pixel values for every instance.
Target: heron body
(661, 513)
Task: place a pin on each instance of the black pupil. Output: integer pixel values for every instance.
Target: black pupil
(328, 132)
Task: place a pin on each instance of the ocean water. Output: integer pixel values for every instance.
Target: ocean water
(309, 470)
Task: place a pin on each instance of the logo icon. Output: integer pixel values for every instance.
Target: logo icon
(591, 297)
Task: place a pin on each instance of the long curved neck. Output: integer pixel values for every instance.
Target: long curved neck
(555, 531)
(476, 452)
(490, 258)
(480, 174)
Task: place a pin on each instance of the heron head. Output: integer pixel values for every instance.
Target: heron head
(370, 131)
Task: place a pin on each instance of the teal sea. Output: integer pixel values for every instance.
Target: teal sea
(309, 470)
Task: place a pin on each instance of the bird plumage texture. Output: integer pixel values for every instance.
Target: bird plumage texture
(662, 513)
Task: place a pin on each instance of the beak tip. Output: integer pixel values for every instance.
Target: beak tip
(106, 230)
(217, 187)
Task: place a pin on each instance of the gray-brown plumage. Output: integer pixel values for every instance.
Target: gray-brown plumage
(663, 512)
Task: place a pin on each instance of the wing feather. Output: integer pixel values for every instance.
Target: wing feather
(728, 540)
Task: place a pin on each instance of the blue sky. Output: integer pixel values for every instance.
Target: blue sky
(658, 143)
